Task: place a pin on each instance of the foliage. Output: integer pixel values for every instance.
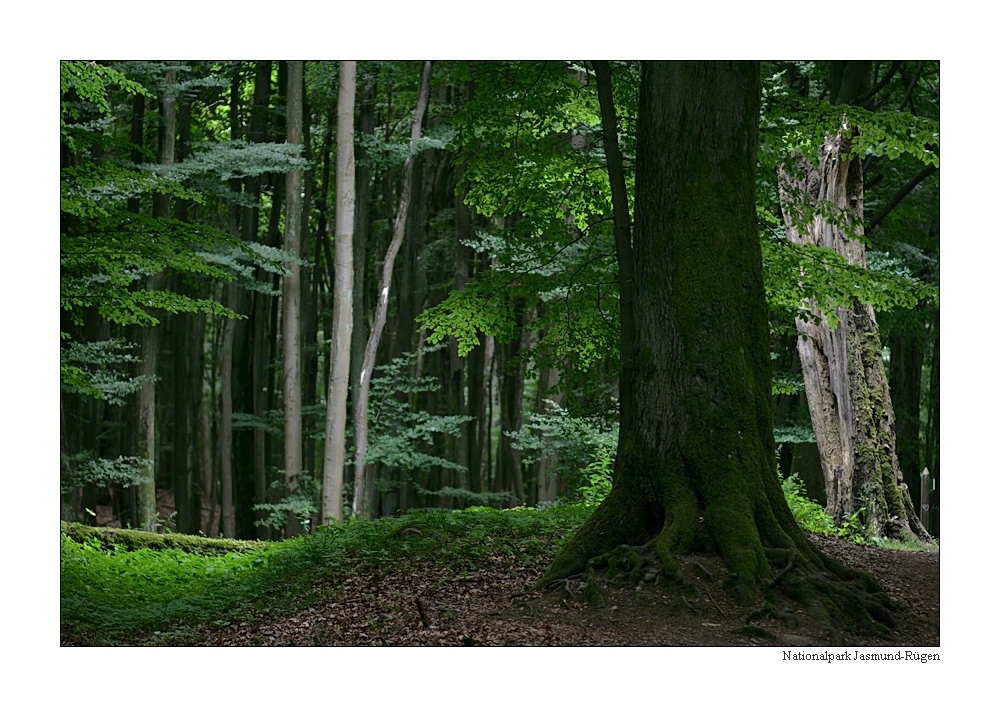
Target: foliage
(794, 433)
(100, 369)
(466, 313)
(809, 515)
(401, 435)
(90, 83)
(812, 517)
(112, 595)
(302, 503)
(585, 448)
(87, 468)
(795, 272)
(114, 591)
(796, 118)
(598, 475)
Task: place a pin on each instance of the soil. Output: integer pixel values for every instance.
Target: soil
(491, 607)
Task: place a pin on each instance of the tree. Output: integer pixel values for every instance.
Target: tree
(381, 307)
(343, 295)
(143, 434)
(845, 381)
(695, 467)
(291, 286)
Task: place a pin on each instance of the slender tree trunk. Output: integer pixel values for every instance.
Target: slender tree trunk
(226, 425)
(252, 342)
(227, 383)
(310, 300)
(549, 480)
(362, 213)
(622, 217)
(335, 458)
(843, 370)
(509, 475)
(381, 310)
(906, 361)
(932, 437)
(291, 292)
(145, 431)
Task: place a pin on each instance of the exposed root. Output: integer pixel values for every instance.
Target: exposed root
(835, 598)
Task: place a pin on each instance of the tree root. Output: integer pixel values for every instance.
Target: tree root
(835, 597)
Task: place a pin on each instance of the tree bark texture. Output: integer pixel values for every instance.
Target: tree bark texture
(695, 467)
(842, 367)
(291, 292)
(334, 460)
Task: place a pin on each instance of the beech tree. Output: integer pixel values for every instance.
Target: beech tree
(291, 285)
(343, 294)
(695, 467)
(381, 307)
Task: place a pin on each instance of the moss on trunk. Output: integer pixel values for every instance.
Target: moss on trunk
(695, 468)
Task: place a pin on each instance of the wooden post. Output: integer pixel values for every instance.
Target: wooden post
(925, 498)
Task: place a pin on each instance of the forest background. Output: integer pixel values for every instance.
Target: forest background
(959, 322)
(475, 334)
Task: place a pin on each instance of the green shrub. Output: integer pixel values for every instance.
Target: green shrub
(809, 515)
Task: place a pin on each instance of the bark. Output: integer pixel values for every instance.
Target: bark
(842, 367)
(226, 438)
(509, 474)
(227, 376)
(381, 310)
(252, 342)
(932, 438)
(291, 292)
(549, 478)
(619, 200)
(695, 467)
(145, 422)
(335, 458)
(362, 213)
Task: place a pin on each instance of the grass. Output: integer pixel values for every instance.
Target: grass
(115, 592)
(121, 587)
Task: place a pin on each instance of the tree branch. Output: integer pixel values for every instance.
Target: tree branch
(900, 195)
(880, 85)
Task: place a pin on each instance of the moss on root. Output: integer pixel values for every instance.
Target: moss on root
(840, 599)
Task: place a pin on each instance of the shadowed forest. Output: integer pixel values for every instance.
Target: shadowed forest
(564, 353)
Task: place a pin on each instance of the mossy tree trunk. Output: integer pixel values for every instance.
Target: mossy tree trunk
(842, 367)
(695, 467)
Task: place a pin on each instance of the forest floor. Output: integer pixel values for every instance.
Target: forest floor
(412, 606)
(477, 593)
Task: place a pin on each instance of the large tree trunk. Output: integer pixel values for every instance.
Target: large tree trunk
(695, 467)
(842, 367)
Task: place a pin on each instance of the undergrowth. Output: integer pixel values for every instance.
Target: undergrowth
(124, 589)
(111, 594)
